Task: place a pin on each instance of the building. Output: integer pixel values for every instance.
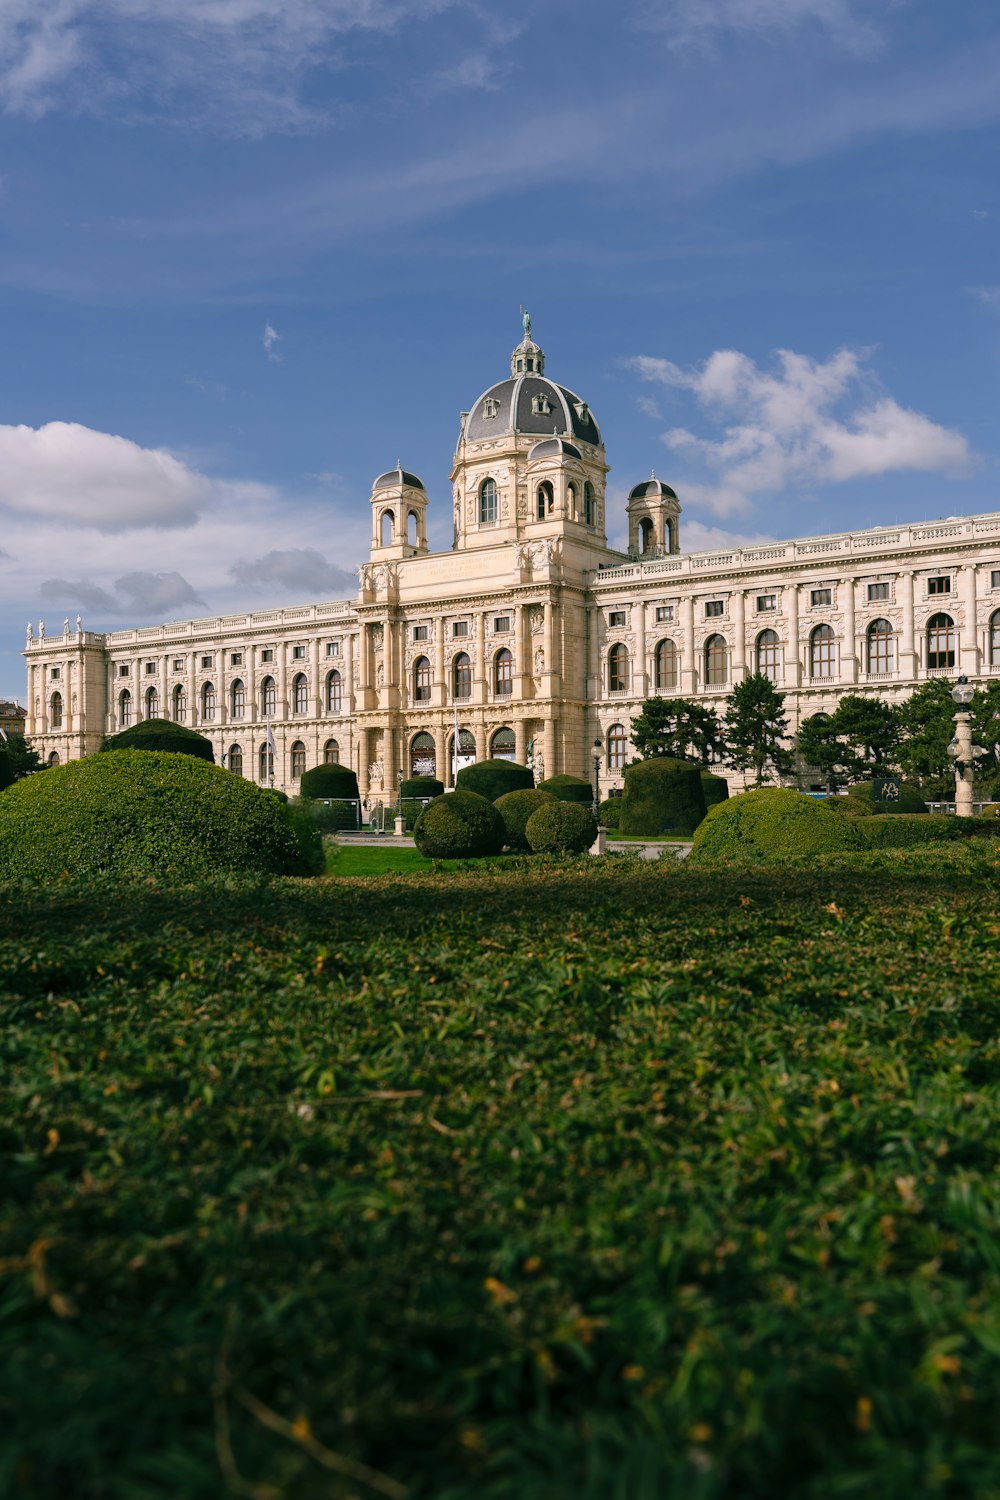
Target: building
(531, 634)
(12, 717)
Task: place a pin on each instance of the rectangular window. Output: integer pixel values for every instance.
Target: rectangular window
(664, 613)
(298, 653)
(421, 632)
(877, 591)
(206, 661)
(178, 663)
(616, 617)
(939, 585)
(151, 669)
(995, 579)
(267, 654)
(54, 673)
(333, 648)
(819, 597)
(714, 608)
(236, 658)
(766, 602)
(123, 671)
(501, 625)
(459, 628)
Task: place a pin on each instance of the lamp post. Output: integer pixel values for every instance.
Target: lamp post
(598, 747)
(400, 820)
(962, 751)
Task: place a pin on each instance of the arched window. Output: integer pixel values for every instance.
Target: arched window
(298, 760)
(268, 698)
(237, 698)
(180, 704)
(331, 753)
(571, 501)
(589, 510)
(544, 500)
(617, 745)
(53, 759)
(152, 703)
(208, 702)
(940, 642)
(665, 665)
(617, 669)
(646, 535)
(822, 651)
(334, 692)
(995, 639)
(55, 712)
(422, 680)
(668, 535)
(503, 674)
(235, 760)
(461, 676)
(423, 755)
(502, 745)
(489, 509)
(124, 708)
(412, 528)
(880, 646)
(768, 655)
(300, 694)
(716, 661)
(386, 527)
(265, 765)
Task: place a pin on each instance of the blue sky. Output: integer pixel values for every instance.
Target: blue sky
(252, 254)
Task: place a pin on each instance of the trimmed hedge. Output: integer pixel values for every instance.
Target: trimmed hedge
(330, 781)
(771, 824)
(516, 808)
(561, 828)
(494, 778)
(142, 812)
(909, 830)
(162, 735)
(661, 795)
(609, 813)
(460, 825)
(569, 789)
(714, 788)
(863, 795)
(421, 788)
(328, 817)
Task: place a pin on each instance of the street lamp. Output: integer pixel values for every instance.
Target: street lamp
(961, 750)
(598, 747)
(400, 825)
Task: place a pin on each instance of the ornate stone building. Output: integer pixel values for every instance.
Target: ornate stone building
(531, 634)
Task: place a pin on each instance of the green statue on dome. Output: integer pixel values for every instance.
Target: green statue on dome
(526, 322)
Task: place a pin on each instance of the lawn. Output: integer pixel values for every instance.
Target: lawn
(618, 1181)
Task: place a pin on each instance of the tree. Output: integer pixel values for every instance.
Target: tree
(754, 726)
(21, 758)
(859, 738)
(678, 727)
(927, 720)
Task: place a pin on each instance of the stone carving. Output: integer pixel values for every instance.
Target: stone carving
(41, 630)
(375, 776)
(79, 624)
(365, 576)
(378, 637)
(536, 619)
(66, 626)
(379, 676)
(539, 662)
(29, 635)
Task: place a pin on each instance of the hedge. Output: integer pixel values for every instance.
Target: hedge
(714, 788)
(141, 812)
(330, 781)
(6, 770)
(569, 789)
(460, 825)
(421, 788)
(907, 830)
(609, 813)
(163, 735)
(661, 795)
(561, 828)
(329, 817)
(516, 808)
(494, 778)
(863, 795)
(771, 824)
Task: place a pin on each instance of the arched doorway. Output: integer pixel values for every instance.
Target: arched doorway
(502, 745)
(423, 755)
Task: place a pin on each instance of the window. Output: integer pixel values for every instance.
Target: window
(423, 755)
(152, 703)
(461, 676)
(178, 664)
(300, 694)
(331, 753)
(491, 406)
(714, 608)
(180, 705)
(151, 669)
(502, 745)
(589, 509)
(822, 651)
(422, 680)
(459, 629)
(664, 613)
(503, 674)
(206, 663)
(544, 500)
(489, 508)
(995, 579)
(501, 625)
(766, 602)
(123, 671)
(939, 585)
(571, 501)
(208, 702)
(267, 654)
(541, 405)
(55, 712)
(421, 632)
(617, 669)
(880, 652)
(878, 591)
(768, 652)
(665, 665)
(617, 744)
(124, 709)
(617, 617)
(333, 648)
(298, 760)
(995, 639)
(268, 698)
(298, 653)
(716, 661)
(334, 693)
(820, 597)
(235, 759)
(940, 642)
(265, 765)
(55, 673)
(237, 699)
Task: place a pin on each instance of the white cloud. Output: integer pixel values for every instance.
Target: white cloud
(298, 571)
(696, 23)
(806, 424)
(149, 595)
(272, 337)
(990, 295)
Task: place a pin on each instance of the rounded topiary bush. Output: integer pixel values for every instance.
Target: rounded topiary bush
(661, 795)
(861, 796)
(516, 808)
(421, 788)
(460, 825)
(714, 788)
(561, 828)
(569, 789)
(771, 824)
(494, 778)
(331, 780)
(609, 813)
(140, 812)
(162, 734)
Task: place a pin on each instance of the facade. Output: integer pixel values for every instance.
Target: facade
(531, 635)
(12, 717)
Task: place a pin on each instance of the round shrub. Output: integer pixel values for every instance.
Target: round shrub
(771, 824)
(139, 812)
(335, 781)
(494, 778)
(569, 789)
(162, 734)
(861, 797)
(422, 788)
(561, 828)
(516, 808)
(714, 788)
(460, 825)
(661, 795)
(609, 813)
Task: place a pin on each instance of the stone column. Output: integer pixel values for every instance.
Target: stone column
(739, 637)
(480, 676)
(549, 748)
(849, 647)
(317, 688)
(191, 717)
(963, 779)
(908, 655)
(440, 734)
(640, 675)
(363, 760)
(440, 698)
(362, 671)
(594, 654)
(969, 656)
(520, 742)
(347, 693)
(522, 653)
(689, 682)
(793, 671)
(482, 749)
(164, 686)
(548, 648)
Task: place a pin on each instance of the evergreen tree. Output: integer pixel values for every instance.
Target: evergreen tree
(754, 727)
(860, 738)
(928, 723)
(21, 758)
(678, 727)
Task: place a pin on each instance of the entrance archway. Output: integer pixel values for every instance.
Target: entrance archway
(423, 755)
(502, 745)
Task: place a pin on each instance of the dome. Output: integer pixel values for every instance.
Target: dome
(554, 447)
(528, 402)
(395, 477)
(652, 489)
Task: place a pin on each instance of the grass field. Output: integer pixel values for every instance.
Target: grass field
(617, 1182)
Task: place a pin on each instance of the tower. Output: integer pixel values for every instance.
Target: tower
(653, 519)
(399, 515)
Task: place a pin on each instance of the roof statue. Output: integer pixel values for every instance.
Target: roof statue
(526, 322)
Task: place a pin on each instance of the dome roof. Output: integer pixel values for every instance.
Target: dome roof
(652, 489)
(554, 447)
(392, 478)
(531, 403)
